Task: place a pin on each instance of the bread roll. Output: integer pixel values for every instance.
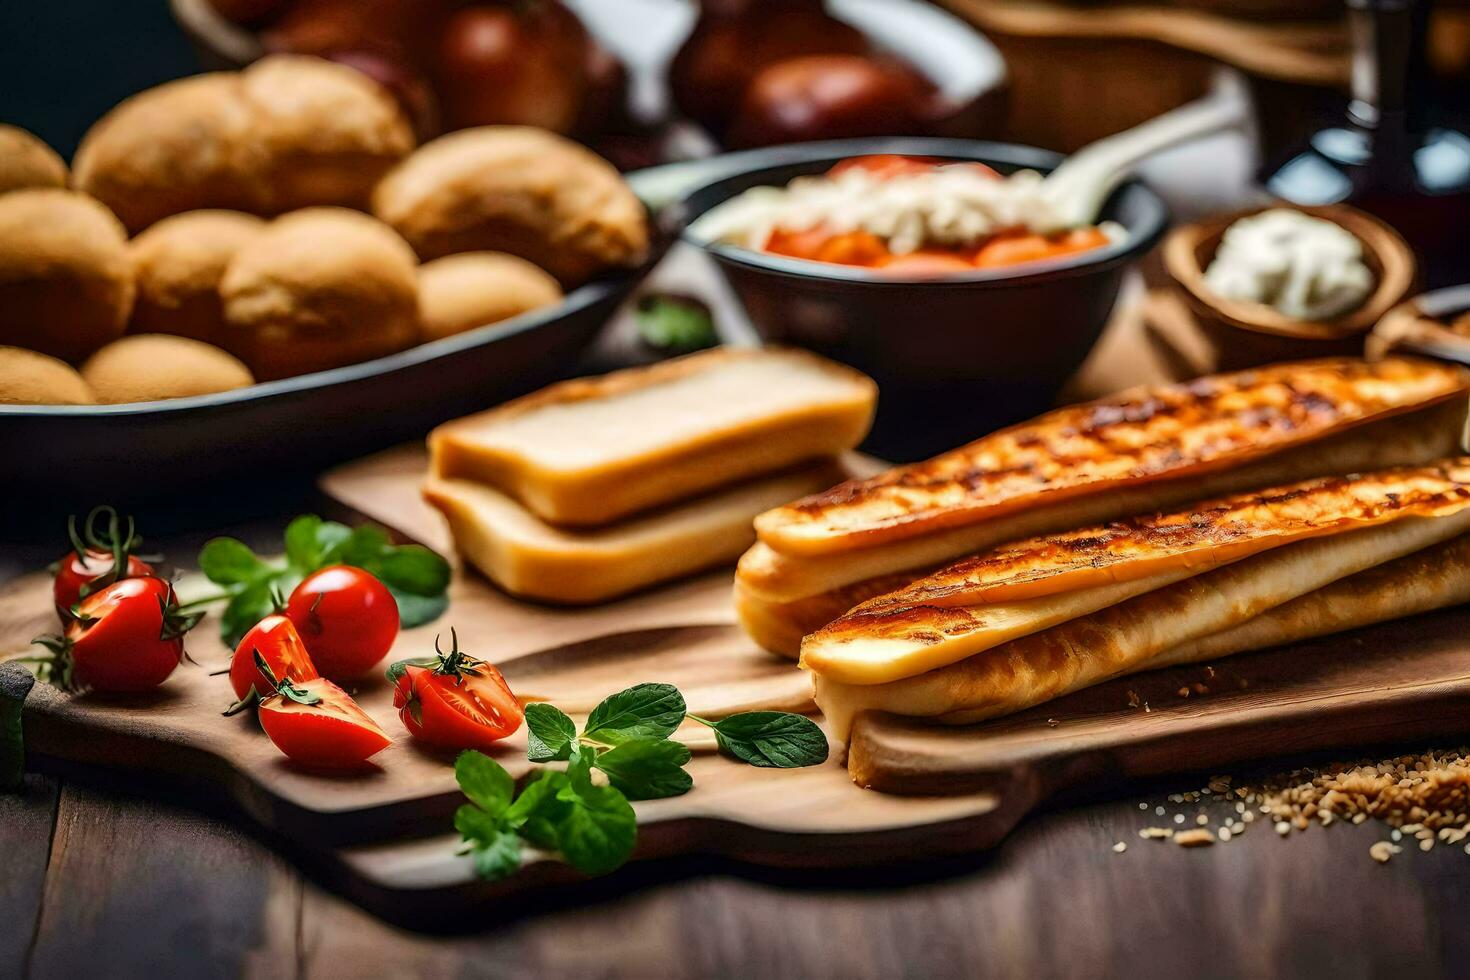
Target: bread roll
(66, 282)
(149, 367)
(29, 378)
(179, 263)
(286, 132)
(25, 161)
(461, 292)
(317, 289)
(519, 190)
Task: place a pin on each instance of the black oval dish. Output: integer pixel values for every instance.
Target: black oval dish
(61, 457)
(954, 357)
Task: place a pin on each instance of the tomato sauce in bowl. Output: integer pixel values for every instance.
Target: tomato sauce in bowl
(1004, 241)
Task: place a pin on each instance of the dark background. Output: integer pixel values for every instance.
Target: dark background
(63, 63)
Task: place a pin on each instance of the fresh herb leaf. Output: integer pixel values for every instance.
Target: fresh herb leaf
(417, 577)
(416, 610)
(229, 561)
(770, 739)
(485, 782)
(599, 831)
(550, 733)
(645, 710)
(647, 768)
(670, 322)
(494, 847)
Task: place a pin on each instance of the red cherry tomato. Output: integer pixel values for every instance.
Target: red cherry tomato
(128, 639)
(347, 619)
(454, 701)
(76, 573)
(274, 638)
(102, 553)
(317, 724)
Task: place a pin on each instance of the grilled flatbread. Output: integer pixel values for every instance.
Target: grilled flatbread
(1435, 578)
(1141, 436)
(1406, 440)
(1131, 636)
(954, 613)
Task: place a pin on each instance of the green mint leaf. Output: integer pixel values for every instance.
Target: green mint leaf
(647, 710)
(772, 739)
(416, 610)
(647, 768)
(248, 606)
(302, 550)
(600, 830)
(579, 770)
(484, 781)
(538, 800)
(229, 561)
(675, 323)
(499, 857)
(550, 734)
(411, 568)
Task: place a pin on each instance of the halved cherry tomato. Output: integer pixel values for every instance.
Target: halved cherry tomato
(347, 619)
(102, 554)
(925, 263)
(453, 700)
(274, 638)
(316, 723)
(128, 638)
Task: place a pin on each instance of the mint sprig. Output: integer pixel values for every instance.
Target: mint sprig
(417, 577)
(626, 738)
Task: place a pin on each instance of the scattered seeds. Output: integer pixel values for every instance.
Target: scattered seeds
(1156, 833)
(1194, 838)
(1202, 819)
(1120, 847)
(1383, 850)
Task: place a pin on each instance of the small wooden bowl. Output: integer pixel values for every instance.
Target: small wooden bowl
(1245, 334)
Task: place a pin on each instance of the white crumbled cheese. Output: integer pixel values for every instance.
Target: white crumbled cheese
(1301, 266)
(949, 205)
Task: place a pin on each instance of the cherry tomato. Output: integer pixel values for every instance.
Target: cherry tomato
(347, 619)
(886, 165)
(316, 723)
(128, 638)
(102, 553)
(76, 573)
(924, 264)
(454, 701)
(820, 245)
(274, 638)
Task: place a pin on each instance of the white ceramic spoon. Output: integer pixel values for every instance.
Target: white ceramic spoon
(1077, 188)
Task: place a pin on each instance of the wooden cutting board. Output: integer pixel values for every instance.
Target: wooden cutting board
(381, 836)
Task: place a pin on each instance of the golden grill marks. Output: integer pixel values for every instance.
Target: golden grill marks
(1034, 585)
(1139, 436)
(1204, 536)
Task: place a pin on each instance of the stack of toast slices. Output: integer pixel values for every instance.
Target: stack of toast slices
(595, 488)
(1148, 450)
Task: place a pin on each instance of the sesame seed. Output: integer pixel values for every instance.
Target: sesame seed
(1120, 847)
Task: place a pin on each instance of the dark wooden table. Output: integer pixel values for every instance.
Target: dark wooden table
(95, 877)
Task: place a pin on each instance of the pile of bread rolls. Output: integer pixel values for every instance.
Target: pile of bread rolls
(247, 226)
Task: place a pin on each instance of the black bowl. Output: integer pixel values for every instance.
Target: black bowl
(65, 457)
(954, 357)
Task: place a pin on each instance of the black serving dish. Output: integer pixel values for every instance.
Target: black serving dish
(69, 457)
(954, 357)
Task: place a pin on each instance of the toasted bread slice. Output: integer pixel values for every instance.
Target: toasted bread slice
(1408, 439)
(527, 557)
(595, 450)
(1130, 636)
(1136, 438)
(947, 617)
